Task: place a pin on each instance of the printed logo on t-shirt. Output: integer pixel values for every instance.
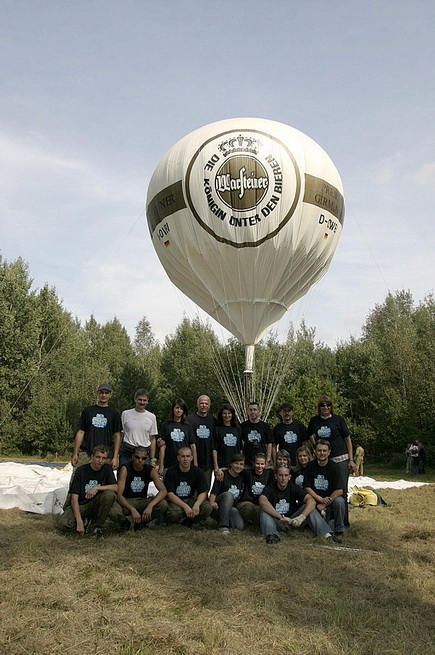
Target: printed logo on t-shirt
(321, 483)
(235, 491)
(137, 485)
(290, 437)
(254, 436)
(177, 435)
(203, 432)
(324, 432)
(99, 421)
(283, 506)
(299, 481)
(257, 489)
(90, 485)
(183, 490)
(230, 440)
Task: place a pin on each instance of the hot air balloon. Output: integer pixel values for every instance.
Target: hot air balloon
(245, 216)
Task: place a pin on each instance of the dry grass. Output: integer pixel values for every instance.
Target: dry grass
(178, 592)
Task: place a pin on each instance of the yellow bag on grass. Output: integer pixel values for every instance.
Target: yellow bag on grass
(362, 496)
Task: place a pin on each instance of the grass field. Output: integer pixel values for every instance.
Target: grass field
(174, 591)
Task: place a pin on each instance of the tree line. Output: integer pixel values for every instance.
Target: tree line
(50, 365)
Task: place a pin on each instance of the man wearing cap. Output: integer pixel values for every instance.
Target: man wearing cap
(98, 424)
(289, 434)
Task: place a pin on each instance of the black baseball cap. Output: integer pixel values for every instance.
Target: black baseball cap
(105, 387)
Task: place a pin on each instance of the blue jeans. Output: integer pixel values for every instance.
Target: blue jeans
(270, 525)
(339, 513)
(344, 472)
(228, 515)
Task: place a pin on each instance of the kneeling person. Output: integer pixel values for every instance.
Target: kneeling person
(133, 482)
(93, 493)
(226, 493)
(187, 491)
(257, 480)
(284, 505)
(323, 481)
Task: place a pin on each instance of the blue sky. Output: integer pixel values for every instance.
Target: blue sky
(93, 93)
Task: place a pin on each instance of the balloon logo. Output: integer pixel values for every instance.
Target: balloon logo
(245, 216)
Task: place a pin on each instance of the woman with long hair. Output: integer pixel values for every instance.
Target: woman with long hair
(175, 433)
(227, 439)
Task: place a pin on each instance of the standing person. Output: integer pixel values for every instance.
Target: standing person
(133, 482)
(332, 427)
(421, 459)
(93, 493)
(289, 434)
(359, 460)
(257, 479)
(174, 434)
(324, 482)
(283, 505)
(226, 494)
(226, 440)
(256, 436)
(98, 424)
(187, 491)
(414, 454)
(203, 424)
(139, 428)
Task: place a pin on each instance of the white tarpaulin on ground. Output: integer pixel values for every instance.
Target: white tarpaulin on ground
(363, 481)
(33, 488)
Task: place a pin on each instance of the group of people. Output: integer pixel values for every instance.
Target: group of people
(197, 466)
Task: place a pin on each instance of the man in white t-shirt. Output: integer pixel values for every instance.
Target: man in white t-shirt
(139, 427)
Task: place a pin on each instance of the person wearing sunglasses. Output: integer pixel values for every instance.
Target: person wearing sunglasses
(331, 427)
(134, 481)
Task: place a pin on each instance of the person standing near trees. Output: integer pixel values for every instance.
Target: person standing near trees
(226, 439)
(332, 428)
(98, 424)
(256, 436)
(174, 434)
(203, 424)
(289, 434)
(139, 428)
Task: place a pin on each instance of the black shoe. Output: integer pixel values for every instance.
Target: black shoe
(337, 537)
(98, 533)
(139, 526)
(87, 524)
(125, 525)
(272, 539)
(188, 523)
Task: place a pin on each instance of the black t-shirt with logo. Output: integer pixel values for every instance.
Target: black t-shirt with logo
(185, 484)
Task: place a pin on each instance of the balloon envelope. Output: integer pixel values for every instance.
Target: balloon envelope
(245, 216)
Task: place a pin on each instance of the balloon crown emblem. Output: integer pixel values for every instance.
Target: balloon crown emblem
(239, 143)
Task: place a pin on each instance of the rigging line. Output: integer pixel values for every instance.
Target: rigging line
(372, 255)
(62, 332)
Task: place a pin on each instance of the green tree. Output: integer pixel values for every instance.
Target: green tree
(186, 365)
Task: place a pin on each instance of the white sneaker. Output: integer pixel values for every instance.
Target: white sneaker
(224, 530)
